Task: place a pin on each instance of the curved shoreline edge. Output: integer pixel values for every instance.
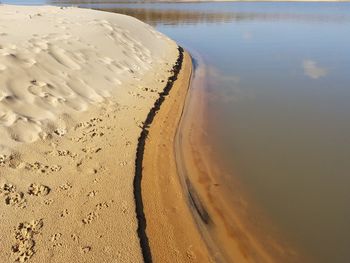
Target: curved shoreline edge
(176, 220)
(172, 233)
(142, 223)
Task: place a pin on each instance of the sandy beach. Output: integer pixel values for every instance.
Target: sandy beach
(76, 87)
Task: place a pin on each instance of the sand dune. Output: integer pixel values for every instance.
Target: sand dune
(75, 88)
(56, 61)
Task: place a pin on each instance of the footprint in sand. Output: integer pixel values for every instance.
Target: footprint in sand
(7, 188)
(39, 88)
(36, 166)
(89, 134)
(38, 190)
(45, 136)
(66, 153)
(55, 168)
(94, 214)
(88, 124)
(12, 197)
(48, 201)
(90, 150)
(39, 167)
(55, 237)
(4, 159)
(102, 205)
(85, 249)
(96, 180)
(24, 247)
(65, 187)
(122, 164)
(74, 237)
(60, 131)
(55, 240)
(14, 161)
(89, 218)
(16, 199)
(64, 213)
(190, 254)
(92, 194)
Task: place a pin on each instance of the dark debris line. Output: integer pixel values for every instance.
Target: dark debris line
(142, 223)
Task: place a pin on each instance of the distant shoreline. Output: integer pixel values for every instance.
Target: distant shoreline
(210, 1)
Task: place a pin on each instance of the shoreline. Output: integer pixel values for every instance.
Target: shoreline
(142, 223)
(213, 1)
(172, 233)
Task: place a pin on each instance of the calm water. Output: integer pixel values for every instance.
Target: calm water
(279, 106)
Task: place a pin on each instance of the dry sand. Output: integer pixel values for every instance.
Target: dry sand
(75, 88)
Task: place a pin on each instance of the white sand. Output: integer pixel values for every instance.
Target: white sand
(55, 61)
(75, 87)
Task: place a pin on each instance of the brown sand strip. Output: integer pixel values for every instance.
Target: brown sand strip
(172, 233)
(141, 230)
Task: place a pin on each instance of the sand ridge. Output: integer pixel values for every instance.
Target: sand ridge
(76, 87)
